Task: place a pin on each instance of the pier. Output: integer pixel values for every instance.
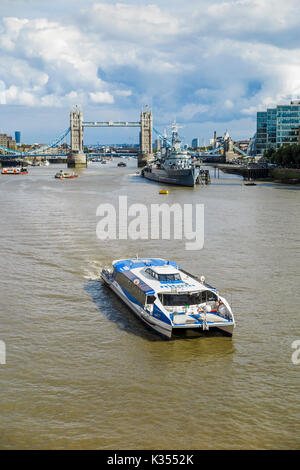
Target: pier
(203, 177)
(248, 172)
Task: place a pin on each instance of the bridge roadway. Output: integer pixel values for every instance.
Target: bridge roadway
(111, 124)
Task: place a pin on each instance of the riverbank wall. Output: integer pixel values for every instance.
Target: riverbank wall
(285, 175)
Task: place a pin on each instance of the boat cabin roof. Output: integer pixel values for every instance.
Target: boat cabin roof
(164, 269)
(128, 264)
(160, 275)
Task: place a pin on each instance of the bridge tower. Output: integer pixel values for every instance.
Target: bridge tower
(76, 157)
(145, 138)
(228, 148)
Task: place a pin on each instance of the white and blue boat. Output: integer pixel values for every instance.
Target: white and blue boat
(167, 298)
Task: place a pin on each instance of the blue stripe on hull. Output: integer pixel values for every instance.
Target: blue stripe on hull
(162, 316)
(151, 326)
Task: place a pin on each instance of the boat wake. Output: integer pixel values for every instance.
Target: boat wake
(93, 271)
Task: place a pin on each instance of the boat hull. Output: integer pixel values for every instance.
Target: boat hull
(66, 177)
(11, 172)
(178, 177)
(159, 327)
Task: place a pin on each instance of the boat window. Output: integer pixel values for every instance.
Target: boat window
(150, 299)
(194, 298)
(169, 277)
(211, 296)
(149, 271)
(164, 277)
(131, 288)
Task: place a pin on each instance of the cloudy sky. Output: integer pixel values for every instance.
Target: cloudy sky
(209, 64)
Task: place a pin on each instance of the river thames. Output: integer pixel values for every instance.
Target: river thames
(82, 372)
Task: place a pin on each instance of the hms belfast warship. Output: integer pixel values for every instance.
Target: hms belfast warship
(174, 165)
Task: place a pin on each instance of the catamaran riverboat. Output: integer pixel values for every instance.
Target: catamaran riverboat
(167, 298)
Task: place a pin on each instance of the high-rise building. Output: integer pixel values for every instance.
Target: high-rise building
(278, 126)
(18, 137)
(261, 132)
(288, 123)
(196, 142)
(271, 127)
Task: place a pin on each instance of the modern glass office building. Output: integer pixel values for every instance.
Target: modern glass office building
(261, 132)
(18, 137)
(278, 126)
(196, 142)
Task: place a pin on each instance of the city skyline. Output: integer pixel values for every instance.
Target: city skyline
(211, 65)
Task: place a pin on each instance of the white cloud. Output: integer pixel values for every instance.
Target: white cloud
(201, 61)
(132, 22)
(101, 97)
(15, 95)
(251, 16)
(47, 60)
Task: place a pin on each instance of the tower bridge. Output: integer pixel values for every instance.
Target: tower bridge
(76, 156)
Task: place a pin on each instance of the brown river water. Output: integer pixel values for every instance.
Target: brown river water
(82, 372)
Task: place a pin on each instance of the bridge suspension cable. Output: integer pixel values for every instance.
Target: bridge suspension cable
(53, 144)
(10, 151)
(163, 138)
(240, 151)
(214, 150)
(217, 149)
(40, 149)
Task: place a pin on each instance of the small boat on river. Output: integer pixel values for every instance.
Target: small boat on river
(63, 175)
(167, 298)
(14, 171)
